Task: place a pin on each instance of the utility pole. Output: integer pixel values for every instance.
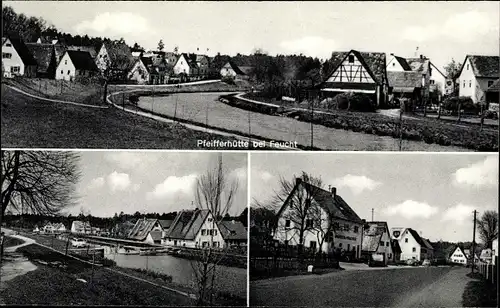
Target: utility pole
(473, 252)
(372, 214)
(312, 126)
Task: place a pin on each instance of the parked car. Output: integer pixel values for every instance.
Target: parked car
(427, 262)
(78, 243)
(412, 262)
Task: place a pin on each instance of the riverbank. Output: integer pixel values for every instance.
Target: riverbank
(430, 131)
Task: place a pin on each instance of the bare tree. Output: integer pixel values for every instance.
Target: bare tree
(215, 192)
(299, 203)
(487, 227)
(321, 224)
(39, 182)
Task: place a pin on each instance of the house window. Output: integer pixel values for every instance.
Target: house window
(346, 227)
(340, 245)
(390, 256)
(215, 232)
(406, 240)
(351, 59)
(381, 243)
(65, 62)
(433, 81)
(6, 55)
(8, 45)
(204, 244)
(387, 244)
(336, 226)
(68, 72)
(203, 232)
(287, 223)
(210, 219)
(490, 83)
(393, 64)
(15, 69)
(348, 247)
(467, 66)
(470, 84)
(413, 249)
(356, 229)
(62, 72)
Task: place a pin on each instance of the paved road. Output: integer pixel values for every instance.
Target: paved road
(401, 287)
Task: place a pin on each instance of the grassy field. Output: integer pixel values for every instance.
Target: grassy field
(78, 92)
(428, 130)
(31, 123)
(480, 293)
(11, 241)
(204, 108)
(55, 282)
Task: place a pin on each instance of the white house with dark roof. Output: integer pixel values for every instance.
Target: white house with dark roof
(377, 241)
(78, 226)
(146, 230)
(139, 72)
(458, 256)
(186, 64)
(17, 60)
(357, 72)
(75, 64)
(477, 74)
(330, 223)
(412, 245)
(230, 69)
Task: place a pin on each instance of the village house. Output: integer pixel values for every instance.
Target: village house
(81, 227)
(492, 96)
(331, 225)
(468, 254)
(412, 245)
(146, 230)
(45, 57)
(165, 225)
(203, 63)
(17, 60)
(477, 74)
(377, 241)
(458, 256)
(140, 72)
(396, 249)
(76, 64)
(494, 248)
(437, 83)
(115, 60)
(186, 65)
(231, 70)
(486, 255)
(357, 72)
(198, 229)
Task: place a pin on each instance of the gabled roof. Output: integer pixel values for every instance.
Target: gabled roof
(232, 230)
(235, 68)
(404, 80)
(187, 224)
(246, 69)
(200, 58)
(156, 235)
(90, 49)
(373, 234)
(461, 249)
(438, 70)
(120, 55)
(141, 229)
(417, 237)
(77, 224)
(82, 60)
(23, 51)
(427, 244)
(495, 87)
(375, 63)
(403, 63)
(190, 60)
(43, 55)
(483, 66)
(420, 65)
(165, 223)
(334, 205)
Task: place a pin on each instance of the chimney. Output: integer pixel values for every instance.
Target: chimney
(329, 187)
(334, 191)
(392, 54)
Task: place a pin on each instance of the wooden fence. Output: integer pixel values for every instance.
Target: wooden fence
(290, 263)
(489, 271)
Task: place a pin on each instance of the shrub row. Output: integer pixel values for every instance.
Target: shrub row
(427, 130)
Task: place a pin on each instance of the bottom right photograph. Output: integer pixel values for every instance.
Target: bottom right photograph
(373, 229)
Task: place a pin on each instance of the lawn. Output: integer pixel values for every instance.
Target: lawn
(479, 292)
(428, 130)
(204, 108)
(52, 284)
(31, 123)
(11, 241)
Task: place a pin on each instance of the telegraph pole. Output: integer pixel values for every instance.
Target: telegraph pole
(473, 253)
(372, 214)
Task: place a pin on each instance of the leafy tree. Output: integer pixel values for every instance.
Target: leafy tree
(161, 45)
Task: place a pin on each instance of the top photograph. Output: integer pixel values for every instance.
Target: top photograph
(265, 76)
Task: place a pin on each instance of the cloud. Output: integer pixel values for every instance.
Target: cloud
(239, 173)
(314, 46)
(116, 23)
(131, 160)
(96, 183)
(357, 183)
(173, 185)
(458, 213)
(479, 174)
(462, 27)
(410, 209)
(118, 181)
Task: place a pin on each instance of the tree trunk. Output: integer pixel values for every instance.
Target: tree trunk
(7, 194)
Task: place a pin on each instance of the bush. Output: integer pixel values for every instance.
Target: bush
(465, 102)
(353, 101)
(228, 79)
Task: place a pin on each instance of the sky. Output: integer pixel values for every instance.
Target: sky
(441, 30)
(435, 194)
(150, 181)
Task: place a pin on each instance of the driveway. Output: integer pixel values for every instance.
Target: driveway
(405, 287)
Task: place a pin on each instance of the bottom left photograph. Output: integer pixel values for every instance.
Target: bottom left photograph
(124, 228)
